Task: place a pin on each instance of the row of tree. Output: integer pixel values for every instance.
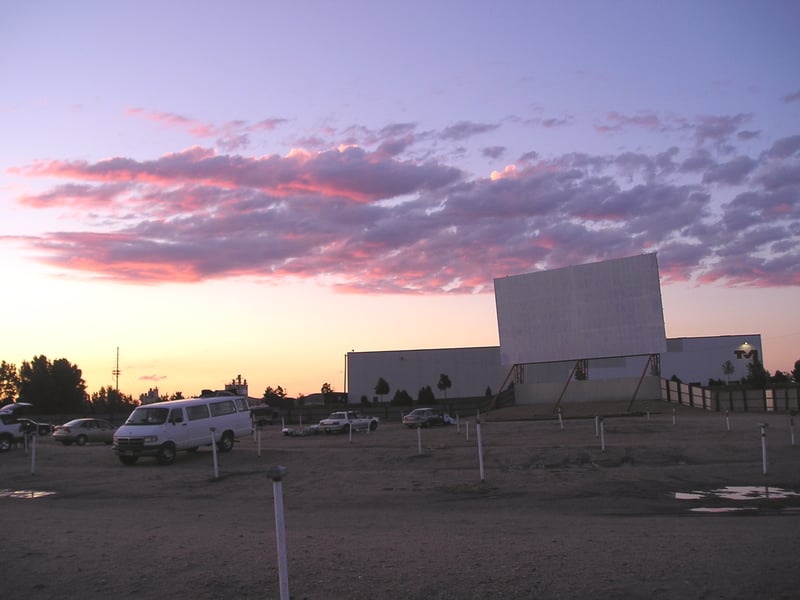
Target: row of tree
(402, 397)
(757, 376)
(57, 388)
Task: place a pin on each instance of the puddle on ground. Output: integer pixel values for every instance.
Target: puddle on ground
(737, 493)
(24, 494)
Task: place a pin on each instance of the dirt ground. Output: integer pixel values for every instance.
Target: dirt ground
(390, 514)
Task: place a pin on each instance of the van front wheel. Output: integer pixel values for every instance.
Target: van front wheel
(225, 443)
(166, 454)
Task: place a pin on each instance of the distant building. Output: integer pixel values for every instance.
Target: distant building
(604, 321)
(237, 386)
(150, 397)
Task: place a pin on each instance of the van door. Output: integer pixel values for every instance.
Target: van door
(198, 423)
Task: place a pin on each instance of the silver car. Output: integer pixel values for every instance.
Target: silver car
(83, 431)
(423, 417)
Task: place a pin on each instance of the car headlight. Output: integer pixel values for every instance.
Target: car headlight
(150, 439)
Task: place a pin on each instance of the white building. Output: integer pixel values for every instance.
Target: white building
(607, 315)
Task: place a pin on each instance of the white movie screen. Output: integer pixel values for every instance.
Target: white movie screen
(604, 309)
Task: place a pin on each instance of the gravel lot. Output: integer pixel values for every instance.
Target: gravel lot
(389, 514)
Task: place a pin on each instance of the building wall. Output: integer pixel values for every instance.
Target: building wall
(607, 390)
(471, 371)
(696, 360)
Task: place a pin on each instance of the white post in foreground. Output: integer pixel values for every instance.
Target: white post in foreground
(673, 416)
(764, 447)
(214, 452)
(350, 433)
(458, 424)
(33, 455)
(597, 426)
(560, 420)
(728, 420)
(277, 474)
(791, 428)
(467, 429)
(602, 436)
(480, 447)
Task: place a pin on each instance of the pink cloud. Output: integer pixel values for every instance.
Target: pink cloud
(366, 220)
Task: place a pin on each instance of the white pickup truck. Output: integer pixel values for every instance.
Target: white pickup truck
(347, 420)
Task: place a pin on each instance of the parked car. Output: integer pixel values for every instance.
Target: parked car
(345, 420)
(82, 431)
(424, 417)
(31, 426)
(10, 431)
(17, 409)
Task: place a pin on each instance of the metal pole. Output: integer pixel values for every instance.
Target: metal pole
(602, 436)
(277, 474)
(764, 447)
(419, 440)
(214, 452)
(33, 455)
(560, 420)
(480, 447)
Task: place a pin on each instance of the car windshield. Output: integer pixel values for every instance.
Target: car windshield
(148, 416)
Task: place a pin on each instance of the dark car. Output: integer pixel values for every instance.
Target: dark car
(423, 417)
(83, 431)
(30, 426)
(18, 409)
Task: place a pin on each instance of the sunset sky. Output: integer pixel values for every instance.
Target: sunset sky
(256, 188)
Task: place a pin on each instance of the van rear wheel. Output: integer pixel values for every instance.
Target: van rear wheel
(166, 454)
(225, 443)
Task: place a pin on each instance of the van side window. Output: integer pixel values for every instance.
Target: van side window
(176, 415)
(226, 407)
(242, 405)
(197, 412)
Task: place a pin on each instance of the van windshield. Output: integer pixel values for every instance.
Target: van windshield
(148, 416)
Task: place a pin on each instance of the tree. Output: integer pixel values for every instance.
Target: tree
(275, 395)
(757, 375)
(56, 387)
(781, 377)
(796, 371)
(401, 398)
(9, 382)
(110, 401)
(444, 384)
(327, 388)
(382, 387)
(425, 396)
(728, 369)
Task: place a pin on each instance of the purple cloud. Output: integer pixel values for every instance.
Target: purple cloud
(464, 130)
(368, 220)
(793, 97)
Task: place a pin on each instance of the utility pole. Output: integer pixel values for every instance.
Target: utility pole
(116, 372)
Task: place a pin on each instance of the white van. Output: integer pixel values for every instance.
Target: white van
(162, 428)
